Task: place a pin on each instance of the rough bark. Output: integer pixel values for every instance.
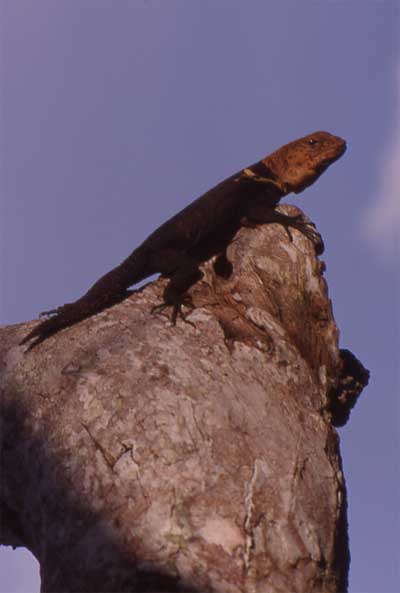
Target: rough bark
(137, 456)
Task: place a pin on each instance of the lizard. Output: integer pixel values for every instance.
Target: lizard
(204, 229)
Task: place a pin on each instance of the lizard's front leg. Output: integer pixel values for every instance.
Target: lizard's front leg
(259, 214)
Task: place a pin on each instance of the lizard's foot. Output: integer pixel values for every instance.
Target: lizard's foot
(176, 310)
(55, 311)
(49, 313)
(307, 228)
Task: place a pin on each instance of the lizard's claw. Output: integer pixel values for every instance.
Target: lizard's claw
(176, 310)
(307, 228)
(49, 313)
(56, 311)
(315, 238)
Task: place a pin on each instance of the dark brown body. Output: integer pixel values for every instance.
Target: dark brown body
(205, 228)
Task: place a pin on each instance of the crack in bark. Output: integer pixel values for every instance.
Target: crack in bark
(109, 459)
(248, 520)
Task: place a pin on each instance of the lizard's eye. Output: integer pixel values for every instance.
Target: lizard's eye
(312, 142)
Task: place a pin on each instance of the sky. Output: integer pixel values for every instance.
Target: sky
(115, 115)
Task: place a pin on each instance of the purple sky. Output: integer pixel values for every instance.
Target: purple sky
(117, 114)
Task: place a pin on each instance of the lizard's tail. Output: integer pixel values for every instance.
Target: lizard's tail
(68, 315)
(107, 291)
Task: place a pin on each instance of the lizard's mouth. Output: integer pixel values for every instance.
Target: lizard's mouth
(314, 175)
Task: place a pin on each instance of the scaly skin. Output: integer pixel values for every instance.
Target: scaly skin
(204, 229)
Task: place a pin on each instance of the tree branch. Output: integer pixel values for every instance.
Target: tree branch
(137, 456)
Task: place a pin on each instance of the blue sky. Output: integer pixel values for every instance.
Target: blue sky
(118, 114)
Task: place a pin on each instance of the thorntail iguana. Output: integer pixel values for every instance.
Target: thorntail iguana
(204, 229)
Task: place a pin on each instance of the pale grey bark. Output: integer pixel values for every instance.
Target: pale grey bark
(137, 456)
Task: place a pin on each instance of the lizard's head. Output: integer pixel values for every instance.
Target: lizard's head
(298, 164)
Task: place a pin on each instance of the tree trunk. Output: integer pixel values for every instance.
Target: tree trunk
(138, 456)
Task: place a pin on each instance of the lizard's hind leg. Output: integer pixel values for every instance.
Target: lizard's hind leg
(183, 271)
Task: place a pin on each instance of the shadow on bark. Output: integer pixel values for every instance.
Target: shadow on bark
(37, 483)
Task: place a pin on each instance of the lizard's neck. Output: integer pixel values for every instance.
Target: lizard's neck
(261, 173)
